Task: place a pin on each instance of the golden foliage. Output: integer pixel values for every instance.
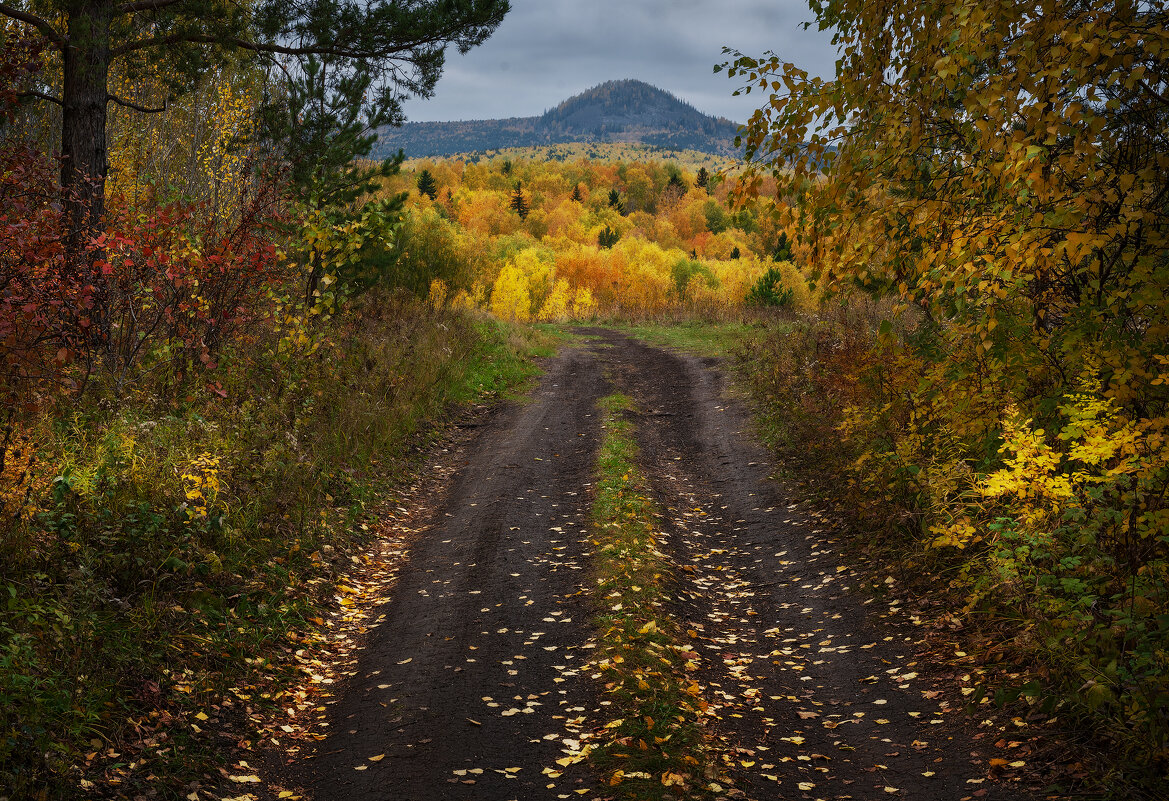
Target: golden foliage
(997, 174)
(674, 250)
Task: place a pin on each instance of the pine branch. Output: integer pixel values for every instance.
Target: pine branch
(42, 25)
(135, 106)
(40, 96)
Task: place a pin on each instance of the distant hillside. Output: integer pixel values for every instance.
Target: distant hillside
(616, 111)
(611, 152)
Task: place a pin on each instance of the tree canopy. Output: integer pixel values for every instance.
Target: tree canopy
(394, 48)
(983, 162)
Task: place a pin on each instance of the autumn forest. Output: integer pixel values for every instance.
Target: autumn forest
(830, 460)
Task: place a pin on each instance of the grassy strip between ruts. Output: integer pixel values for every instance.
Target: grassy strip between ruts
(655, 746)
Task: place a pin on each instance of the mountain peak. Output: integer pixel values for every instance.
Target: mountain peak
(615, 111)
(620, 91)
(620, 104)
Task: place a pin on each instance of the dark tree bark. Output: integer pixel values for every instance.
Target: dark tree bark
(84, 96)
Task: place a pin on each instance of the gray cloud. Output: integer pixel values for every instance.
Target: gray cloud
(547, 50)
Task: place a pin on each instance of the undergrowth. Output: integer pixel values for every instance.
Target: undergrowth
(176, 545)
(1033, 521)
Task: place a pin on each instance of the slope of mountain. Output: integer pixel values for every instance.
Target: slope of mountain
(616, 111)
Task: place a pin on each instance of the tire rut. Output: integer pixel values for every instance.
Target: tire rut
(818, 691)
(488, 619)
(476, 664)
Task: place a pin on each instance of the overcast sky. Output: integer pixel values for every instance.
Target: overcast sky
(545, 51)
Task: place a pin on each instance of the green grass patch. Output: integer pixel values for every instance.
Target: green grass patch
(696, 336)
(655, 746)
(558, 333)
(502, 366)
(566, 333)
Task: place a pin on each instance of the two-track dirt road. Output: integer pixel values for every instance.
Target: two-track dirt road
(472, 682)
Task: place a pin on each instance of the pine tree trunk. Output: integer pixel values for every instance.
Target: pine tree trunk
(83, 125)
(84, 93)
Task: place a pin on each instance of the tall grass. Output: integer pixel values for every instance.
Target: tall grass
(171, 547)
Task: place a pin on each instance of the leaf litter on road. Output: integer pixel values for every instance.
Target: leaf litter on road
(753, 621)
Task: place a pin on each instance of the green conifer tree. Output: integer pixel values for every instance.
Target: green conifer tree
(427, 185)
(783, 249)
(615, 202)
(519, 203)
(607, 237)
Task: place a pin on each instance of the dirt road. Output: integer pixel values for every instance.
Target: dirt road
(471, 685)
